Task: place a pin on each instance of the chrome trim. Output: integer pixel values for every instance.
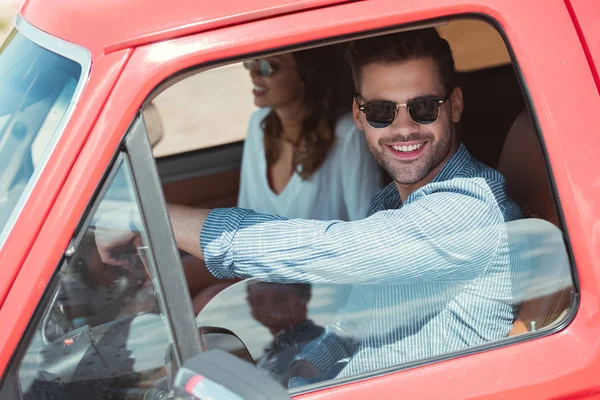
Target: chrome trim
(68, 50)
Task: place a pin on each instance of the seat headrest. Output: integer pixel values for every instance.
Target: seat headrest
(523, 166)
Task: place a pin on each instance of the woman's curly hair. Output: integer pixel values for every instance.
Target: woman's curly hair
(316, 69)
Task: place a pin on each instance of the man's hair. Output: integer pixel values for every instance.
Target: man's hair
(401, 47)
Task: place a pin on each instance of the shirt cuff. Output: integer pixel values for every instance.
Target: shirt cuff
(216, 240)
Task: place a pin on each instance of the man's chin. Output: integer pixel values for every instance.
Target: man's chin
(403, 178)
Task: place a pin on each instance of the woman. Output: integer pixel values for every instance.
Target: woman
(302, 158)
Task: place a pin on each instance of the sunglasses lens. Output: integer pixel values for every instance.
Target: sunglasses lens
(380, 114)
(264, 68)
(424, 111)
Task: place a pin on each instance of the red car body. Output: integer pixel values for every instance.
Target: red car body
(135, 45)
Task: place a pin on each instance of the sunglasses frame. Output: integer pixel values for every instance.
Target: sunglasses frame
(361, 107)
(256, 64)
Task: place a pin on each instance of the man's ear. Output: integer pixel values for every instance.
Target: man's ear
(356, 116)
(456, 100)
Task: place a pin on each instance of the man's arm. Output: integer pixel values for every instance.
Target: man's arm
(187, 223)
(450, 235)
(444, 236)
(121, 226)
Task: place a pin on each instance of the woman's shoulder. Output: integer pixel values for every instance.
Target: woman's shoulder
(254, 128)
(348, 138)
(258, 115)
(345, 127)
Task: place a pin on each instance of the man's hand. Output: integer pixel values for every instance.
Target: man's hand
(108, 241)
(116, 229)
(114, 234)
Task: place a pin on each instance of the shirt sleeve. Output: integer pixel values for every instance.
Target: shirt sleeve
(361, 177)
(451, 234)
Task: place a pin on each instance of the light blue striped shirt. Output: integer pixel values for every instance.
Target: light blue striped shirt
(430, 276)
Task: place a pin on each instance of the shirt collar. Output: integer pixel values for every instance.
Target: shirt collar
(389, 198)
(458, 160)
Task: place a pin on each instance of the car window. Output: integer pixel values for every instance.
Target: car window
(103, 333)
(223, 102)
(347, 330)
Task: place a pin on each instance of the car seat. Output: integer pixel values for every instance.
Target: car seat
(549, 286)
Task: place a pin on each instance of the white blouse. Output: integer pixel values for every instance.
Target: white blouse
(339, 190)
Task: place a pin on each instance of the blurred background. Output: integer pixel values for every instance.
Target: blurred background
(8, 9)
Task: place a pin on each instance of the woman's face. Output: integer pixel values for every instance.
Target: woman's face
(283, 88)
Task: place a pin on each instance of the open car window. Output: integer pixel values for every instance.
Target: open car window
(211, 120)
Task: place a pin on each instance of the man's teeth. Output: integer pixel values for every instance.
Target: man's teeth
(259, 88)
(412, 147)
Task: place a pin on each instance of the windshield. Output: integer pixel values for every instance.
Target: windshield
(37, 88)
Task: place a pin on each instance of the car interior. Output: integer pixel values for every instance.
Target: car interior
(209, 176)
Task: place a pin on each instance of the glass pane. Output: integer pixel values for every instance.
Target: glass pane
(103, 334)
(37, 87)
(274, 321)
(346, 330)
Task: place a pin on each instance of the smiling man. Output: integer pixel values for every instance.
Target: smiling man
(430, 264)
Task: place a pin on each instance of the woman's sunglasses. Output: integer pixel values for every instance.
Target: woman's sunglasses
(263, 66)
(381, 113)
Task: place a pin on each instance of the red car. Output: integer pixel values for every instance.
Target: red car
(141, 103)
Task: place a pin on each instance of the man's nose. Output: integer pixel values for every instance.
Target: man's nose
(403, 124)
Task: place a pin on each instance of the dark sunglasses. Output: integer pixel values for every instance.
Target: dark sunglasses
(262, 65)
(381, 113)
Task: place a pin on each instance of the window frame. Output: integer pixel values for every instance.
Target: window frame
(169, 270)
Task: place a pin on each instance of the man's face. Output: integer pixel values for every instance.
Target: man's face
(410, 152)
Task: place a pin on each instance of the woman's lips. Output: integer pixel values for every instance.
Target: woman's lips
(258, 90)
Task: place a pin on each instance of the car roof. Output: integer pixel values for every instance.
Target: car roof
(104, 26)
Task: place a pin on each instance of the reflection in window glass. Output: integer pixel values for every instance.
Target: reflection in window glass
(102, 335)
(37, 87)
(343, 330)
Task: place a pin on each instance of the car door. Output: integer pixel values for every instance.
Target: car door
(585, 15)
(550, 363)
(460, 376)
